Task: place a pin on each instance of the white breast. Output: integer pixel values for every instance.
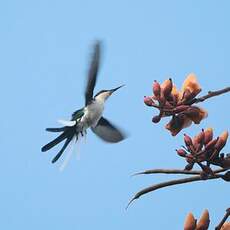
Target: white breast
(93, 113)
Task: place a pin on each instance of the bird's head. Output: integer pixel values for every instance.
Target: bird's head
(103, 95)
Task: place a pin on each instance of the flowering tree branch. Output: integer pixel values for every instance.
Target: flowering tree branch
(177, 171)
(209, 95)
(176, 182)
(202, 150)
(227, 214)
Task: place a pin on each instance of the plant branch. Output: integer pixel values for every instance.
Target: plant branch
(210, 94)
(171, 183)
(176, 171)
(227, 214)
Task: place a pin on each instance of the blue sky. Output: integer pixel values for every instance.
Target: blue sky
(45, 46)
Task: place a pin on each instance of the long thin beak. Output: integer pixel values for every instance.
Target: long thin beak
(115, 89)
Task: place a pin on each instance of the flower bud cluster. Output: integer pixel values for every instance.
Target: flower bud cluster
(177, 104)
(205, 150)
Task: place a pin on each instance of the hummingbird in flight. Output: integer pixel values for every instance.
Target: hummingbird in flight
(90, 116)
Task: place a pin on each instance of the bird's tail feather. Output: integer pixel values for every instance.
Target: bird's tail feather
(62, 149)
(68, 134)
(56, 130)
(56, 141)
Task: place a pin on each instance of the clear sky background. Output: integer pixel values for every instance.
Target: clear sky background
(44, 56)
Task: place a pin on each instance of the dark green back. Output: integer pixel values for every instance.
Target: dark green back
(77, 114)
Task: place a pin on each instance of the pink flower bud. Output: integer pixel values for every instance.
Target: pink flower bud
(199, 138)
(189, 166)
(156, 89)
(197, 146)
(148, 101)
(187, 140)
(221, 141)
(181, 152)
(204, 221)
(208, 135)
(210, 145)
(167, 87)
(224, 136)
(156, 119)
(190, 222)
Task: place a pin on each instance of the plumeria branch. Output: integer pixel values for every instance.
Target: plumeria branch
(227, 214)
(174, 182)
(177, 171)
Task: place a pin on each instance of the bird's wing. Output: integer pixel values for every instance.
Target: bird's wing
(92, 74)
(108, 132)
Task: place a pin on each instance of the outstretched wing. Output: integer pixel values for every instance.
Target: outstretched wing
(92, 75)
(108, 132)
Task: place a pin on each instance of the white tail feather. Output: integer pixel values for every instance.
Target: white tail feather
(76, 141)
(78, 152)
(81, 139)
(67, 123)
(69, 154)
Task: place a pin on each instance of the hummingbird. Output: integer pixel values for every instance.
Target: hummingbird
(90, 116)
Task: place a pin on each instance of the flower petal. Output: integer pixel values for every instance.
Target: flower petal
(196, 114)
(190, 85)
(175, 93)
(208, 135)
(166, 87)
(177, 123)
